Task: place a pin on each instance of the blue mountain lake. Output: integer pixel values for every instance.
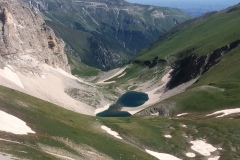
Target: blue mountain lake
(129, 99)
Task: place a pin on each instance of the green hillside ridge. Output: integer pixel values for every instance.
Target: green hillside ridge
(199, 36)
(200, 48)
(73, 134)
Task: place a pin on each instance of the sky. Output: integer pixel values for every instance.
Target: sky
(227, 2)
(192, 7)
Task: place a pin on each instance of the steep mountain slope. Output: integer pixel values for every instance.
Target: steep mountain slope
(105, 33)
(33, 61)
(206, 47)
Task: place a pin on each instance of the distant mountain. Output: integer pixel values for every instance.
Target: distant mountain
(105, 33)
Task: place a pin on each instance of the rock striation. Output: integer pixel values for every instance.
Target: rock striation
(24, 33)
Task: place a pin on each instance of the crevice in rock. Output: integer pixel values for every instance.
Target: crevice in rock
(193, 66)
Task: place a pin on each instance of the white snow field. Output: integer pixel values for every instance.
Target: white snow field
(190, 154)
(202, 147)
(162, 156)
(8, 73)
(12, 124)
(111, 132)
(225, 112)
(214, 158)
(182, 114)
(167, 136)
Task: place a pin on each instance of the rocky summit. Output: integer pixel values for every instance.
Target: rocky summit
(106, 33)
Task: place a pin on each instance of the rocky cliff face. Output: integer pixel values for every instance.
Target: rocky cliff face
(165, 110)
(193, 66)
(24, 33)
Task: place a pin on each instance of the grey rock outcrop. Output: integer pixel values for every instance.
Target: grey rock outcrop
(163, 109)
(24, 32)
(192, 66)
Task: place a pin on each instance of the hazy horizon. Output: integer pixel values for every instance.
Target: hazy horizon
(193, 8)
(206, 2)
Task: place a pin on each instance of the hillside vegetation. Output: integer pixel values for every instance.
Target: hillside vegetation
(199, 36)
(206, 48)
(63, 132)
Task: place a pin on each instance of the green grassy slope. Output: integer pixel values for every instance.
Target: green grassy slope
(52, 123)
(198, 36)
(216, 89)
(219, 88)
(80, 69)
(218, 132)
(54, 126)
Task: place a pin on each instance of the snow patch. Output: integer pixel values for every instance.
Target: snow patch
(225, 112)
(214, 158)
(183, 125)
(162, 156)
(61, 156)
(168, 136)
(109, 131)
(9, 74)
(202, 147)
(190, 154)
(12, 124)
(182, 114)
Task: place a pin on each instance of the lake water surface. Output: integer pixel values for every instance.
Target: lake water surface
(129, 99)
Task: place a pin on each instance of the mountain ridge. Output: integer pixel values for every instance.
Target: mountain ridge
(113, 31)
